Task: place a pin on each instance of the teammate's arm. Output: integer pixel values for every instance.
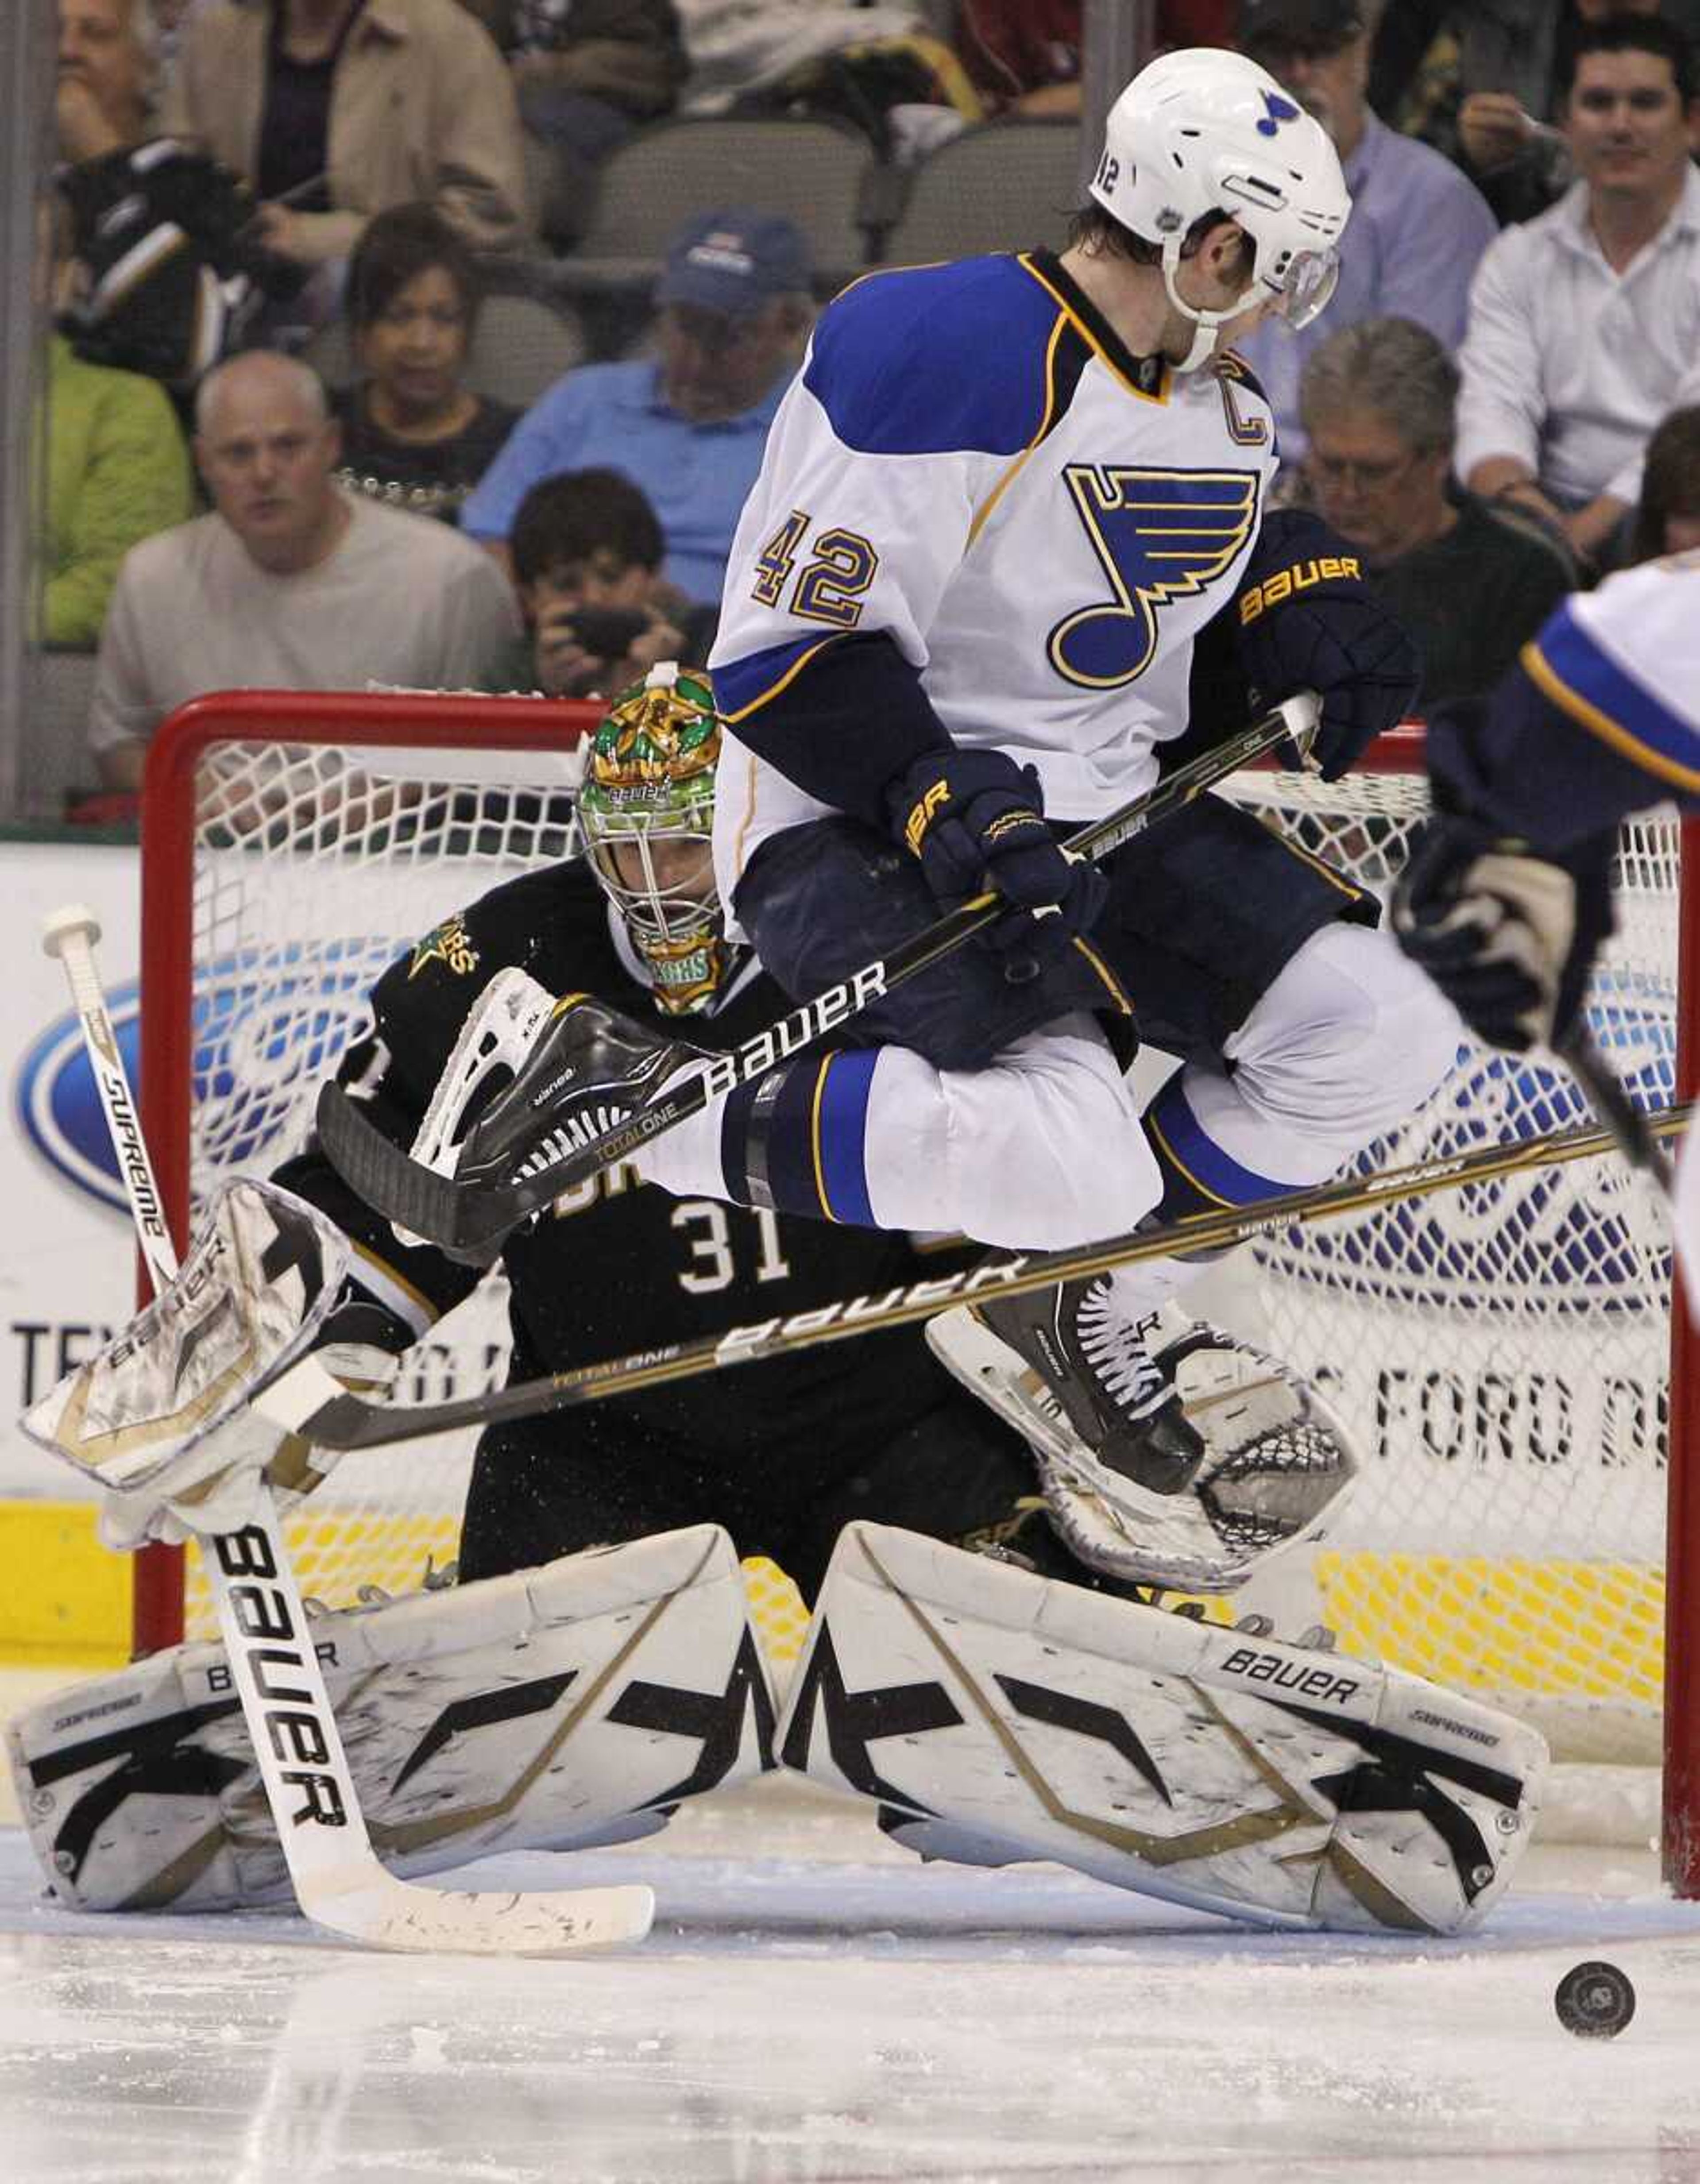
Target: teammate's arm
(1508, 896)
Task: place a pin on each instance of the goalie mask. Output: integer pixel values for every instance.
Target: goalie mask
(647, 810)
(1203, 132)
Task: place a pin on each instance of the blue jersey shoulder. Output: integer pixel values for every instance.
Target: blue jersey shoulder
(937, 359)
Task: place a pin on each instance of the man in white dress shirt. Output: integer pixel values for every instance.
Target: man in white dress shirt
(1585, 324)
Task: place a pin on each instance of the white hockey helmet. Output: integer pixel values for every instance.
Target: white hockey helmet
(1203, 131)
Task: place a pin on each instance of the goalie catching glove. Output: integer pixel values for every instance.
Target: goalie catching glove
(164, 1419)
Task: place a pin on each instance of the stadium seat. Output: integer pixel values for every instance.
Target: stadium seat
(1005, 186)
(816, 173)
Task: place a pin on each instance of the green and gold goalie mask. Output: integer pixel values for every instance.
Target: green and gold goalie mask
(647, 808)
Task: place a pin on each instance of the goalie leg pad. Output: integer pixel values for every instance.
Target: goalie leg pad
(552, 1709)
(997, 1716)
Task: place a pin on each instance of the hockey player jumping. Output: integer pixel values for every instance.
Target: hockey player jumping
(1008, 556)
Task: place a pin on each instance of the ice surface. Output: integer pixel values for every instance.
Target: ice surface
(814, 2005)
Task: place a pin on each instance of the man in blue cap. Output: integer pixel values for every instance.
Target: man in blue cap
(688, 424)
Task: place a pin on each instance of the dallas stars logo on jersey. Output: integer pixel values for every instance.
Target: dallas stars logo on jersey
(1158, 535)
(447, 943)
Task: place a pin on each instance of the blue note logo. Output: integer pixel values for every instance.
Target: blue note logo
(1276, 110)
(1158, 535)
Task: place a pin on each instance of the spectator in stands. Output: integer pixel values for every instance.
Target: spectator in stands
(882, 67)
(1667, 518)
(1418, 227)
(338, 109)
(688, 424)
(1379, 402)
(589, 71)
(1022, 56)
(117, 470)
(413, 434)
(290, 583)
(1585, 324)
(1511, 59)
(171, 270)
(587, 551)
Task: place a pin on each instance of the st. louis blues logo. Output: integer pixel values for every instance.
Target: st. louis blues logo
(1158, 535)
(1276, 110)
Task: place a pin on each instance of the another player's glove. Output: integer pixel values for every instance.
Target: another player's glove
(976, 820)
(1508, 937)
(1308, 621)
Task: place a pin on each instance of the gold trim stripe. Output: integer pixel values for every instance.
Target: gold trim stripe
(1541, 672)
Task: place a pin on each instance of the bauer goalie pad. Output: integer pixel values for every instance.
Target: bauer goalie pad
(262, 1275)
(559, 1707)
(995, 1716)
(1278, 1466)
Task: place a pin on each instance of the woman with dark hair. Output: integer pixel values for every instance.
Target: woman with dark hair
(1667, 517)
(413, 434)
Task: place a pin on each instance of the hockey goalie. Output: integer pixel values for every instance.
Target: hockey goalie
(989, 1665)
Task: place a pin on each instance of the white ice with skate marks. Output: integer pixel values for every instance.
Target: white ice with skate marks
(814, 2005)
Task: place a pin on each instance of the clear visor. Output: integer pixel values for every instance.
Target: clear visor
(659, 877)
(1306, 287)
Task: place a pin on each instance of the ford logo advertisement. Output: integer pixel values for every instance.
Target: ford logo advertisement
(262, 1040)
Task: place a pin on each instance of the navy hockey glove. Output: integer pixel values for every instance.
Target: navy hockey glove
(975, 819)
(1308, 621)
(1508, 937)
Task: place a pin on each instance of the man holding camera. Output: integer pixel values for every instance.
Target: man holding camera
(587, 551)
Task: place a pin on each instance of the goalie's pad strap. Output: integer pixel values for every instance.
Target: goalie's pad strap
(571, 1704)
(997, 1716)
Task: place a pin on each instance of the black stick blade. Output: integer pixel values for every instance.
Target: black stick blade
(415, 1197)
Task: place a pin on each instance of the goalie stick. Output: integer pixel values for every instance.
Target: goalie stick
(309, 1401)
(338, 1879)
(472, 1217)
(1619, 1113)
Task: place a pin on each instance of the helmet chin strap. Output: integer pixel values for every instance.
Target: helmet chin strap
(1205, 324)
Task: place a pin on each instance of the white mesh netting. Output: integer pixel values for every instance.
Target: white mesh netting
(1500, 1353)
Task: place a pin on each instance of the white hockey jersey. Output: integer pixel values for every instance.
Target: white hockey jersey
(1624, 662)
(970, 462)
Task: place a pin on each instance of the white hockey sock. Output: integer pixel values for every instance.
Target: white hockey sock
(1038, 1150)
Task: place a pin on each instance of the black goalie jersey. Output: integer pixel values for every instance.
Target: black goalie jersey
(782, 1452)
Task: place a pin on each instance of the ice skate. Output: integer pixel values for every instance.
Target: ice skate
(1072, 1360)
(1170, 1453)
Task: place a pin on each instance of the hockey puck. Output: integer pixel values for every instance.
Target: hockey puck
(1594, 2001)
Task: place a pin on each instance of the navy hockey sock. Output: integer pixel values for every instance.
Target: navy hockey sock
(795, 1140)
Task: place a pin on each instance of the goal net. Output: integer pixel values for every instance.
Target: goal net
(1501, 1354)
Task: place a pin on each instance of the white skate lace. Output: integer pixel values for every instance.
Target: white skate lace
(1114, 1347)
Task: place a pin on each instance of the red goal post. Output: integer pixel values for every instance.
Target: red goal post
(1504, 1360)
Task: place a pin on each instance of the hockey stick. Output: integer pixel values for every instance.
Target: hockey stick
(337, 1878)
(473, 1215)
(1619, 1113)
(306, 1399)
